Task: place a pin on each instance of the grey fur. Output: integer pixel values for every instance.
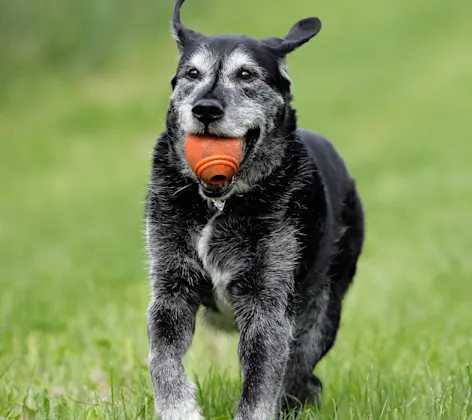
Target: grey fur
(270, 255)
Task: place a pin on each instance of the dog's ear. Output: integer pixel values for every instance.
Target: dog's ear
(300, 33)
(180, 33)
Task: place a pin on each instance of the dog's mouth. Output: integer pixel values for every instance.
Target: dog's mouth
(214, 192)
(250, 140)
(222, 190)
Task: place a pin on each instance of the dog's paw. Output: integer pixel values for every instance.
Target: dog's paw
(181, 415)
(308, 392)
(195, 416)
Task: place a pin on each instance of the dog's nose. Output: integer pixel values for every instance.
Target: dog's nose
(207, 110)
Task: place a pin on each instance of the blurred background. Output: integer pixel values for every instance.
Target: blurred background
(84, 88)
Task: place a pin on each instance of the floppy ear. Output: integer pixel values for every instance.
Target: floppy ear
(300, 33)
(180, 33)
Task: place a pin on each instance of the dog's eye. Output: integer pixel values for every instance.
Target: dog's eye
(193, 73)
(245, 75)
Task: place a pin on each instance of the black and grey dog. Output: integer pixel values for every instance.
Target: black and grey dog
(270, 253)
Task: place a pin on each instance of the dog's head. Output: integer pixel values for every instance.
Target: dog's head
(234, 86)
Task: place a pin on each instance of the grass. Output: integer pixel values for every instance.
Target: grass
(388, 83)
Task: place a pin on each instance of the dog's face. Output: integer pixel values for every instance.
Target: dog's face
(236, 87)
(227, 87)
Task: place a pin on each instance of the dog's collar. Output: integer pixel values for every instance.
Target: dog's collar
(216, 204)
(220, 205)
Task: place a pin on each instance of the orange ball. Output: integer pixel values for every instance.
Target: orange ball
(215, 160)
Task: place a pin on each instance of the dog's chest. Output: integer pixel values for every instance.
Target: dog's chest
(218, 263)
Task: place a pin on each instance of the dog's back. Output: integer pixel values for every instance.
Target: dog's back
(331, 166)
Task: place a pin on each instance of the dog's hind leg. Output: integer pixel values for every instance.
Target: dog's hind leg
(315, 335)
(317, 327)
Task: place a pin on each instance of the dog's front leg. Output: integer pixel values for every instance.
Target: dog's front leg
(171, 324)
(263, 351)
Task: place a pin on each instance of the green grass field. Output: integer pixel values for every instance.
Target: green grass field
(389, 83)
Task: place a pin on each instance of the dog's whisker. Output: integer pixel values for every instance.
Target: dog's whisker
(181, 189)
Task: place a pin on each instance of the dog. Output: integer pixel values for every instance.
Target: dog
(270, 253)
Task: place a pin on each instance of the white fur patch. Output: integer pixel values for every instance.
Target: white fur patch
(283, 70)
(238, 59)
(179, 403)
(219, 278)
(181, 415)
(204, 60)
(150, 247)
(195, 416)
